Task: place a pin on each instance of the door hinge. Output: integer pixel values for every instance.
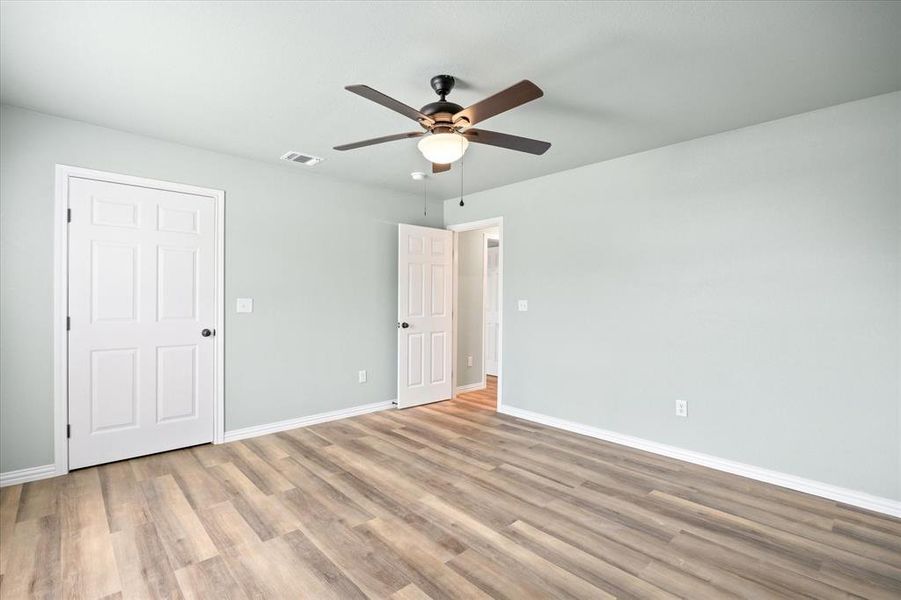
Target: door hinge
(68, 215)
(68, 431)
(68, 323)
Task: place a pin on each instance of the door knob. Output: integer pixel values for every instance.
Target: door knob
(404, 325)
(206, 333)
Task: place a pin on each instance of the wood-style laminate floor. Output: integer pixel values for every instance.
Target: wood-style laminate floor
(444, 501)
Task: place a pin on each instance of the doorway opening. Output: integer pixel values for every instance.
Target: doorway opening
(450, 300)
(478, 249)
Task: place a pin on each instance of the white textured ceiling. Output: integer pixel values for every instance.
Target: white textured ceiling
(257, 79)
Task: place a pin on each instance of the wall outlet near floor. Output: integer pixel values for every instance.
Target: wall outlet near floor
(681, 408)
(468, 361)
(522, 305)
(361, 376)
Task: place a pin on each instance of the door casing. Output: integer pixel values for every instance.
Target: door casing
(61, 299)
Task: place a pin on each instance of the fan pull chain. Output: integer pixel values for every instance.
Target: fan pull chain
(425, 197)
(461, 183)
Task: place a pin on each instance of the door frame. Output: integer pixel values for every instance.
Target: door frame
(61, 298)
(471, 226)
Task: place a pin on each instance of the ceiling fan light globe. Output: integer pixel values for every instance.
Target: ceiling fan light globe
(443, 148)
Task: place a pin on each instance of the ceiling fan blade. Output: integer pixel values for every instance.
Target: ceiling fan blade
(439, 168)
(388, 102)
(505, 140)
(513, 96)
(381, 140)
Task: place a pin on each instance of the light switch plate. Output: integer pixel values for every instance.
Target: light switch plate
(523, 305)
(244, 305)
(361, 376)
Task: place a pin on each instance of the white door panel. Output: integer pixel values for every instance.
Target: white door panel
(424, 357)
(176, 382)
(142, 277)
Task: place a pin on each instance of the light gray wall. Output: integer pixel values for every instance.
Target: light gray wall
(318, 257)
(470, 281)
(753, 273)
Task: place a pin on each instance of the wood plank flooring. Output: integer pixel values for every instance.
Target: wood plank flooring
(484, 399)
(449, 500)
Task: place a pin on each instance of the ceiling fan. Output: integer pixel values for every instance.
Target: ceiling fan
(448, 127)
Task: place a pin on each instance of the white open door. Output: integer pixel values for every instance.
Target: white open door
(424, 323)
(142, 303)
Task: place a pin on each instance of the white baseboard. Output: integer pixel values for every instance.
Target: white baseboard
(46, 471)
(26, 475)
(809, 486)
(472, 387)
(257, 430)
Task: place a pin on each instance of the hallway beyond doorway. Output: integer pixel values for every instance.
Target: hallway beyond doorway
(485, 398)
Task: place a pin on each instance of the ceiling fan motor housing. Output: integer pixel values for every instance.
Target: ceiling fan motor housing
(442, 115)
(442, 106)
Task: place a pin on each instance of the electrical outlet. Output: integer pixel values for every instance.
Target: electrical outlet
(523, 305)
(468, 361)
(681, 408)
(361, 376)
